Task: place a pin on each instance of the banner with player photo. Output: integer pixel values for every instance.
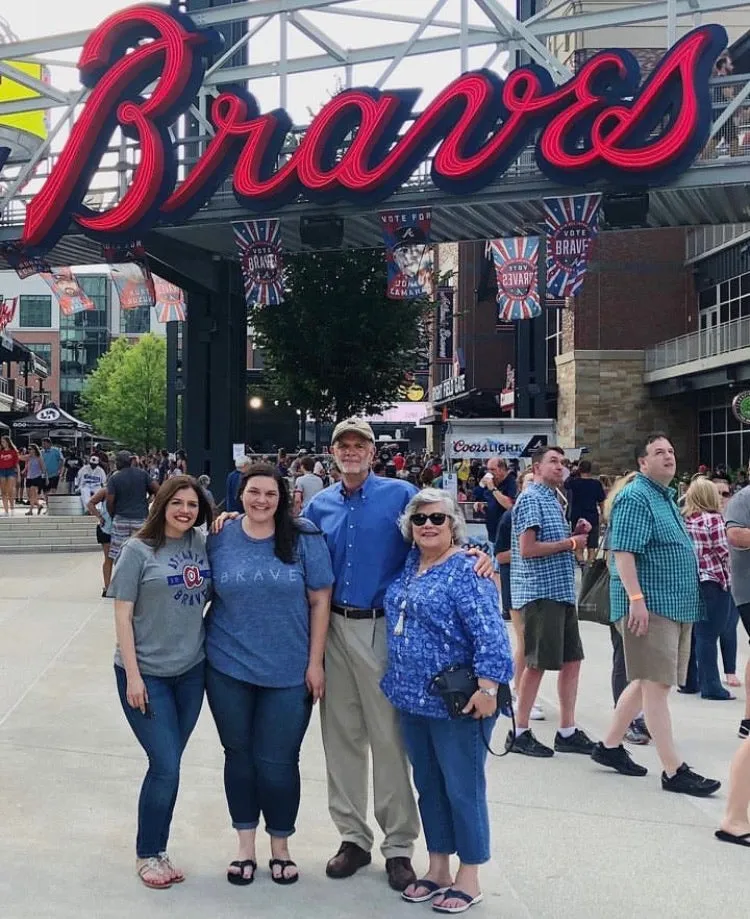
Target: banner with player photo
(409, 257)
(170, 301)
(63, 284)
(261, 258)
(131, 275)
(517, 269)
(7, 311)
(25, 266)
(571, 224)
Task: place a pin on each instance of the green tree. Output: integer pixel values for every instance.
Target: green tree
(126, 395)
(338, 345)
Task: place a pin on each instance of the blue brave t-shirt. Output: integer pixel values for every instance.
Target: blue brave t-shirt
(258, 629)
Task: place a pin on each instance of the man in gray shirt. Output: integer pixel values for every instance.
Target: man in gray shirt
(737, 516)
(128, 493)
(307, 485)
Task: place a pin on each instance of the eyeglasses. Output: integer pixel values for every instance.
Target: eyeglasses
(723, 494)
(419, 520)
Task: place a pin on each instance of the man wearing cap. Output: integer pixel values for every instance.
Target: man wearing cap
(90, 478)
(359, 519)
(128, 492)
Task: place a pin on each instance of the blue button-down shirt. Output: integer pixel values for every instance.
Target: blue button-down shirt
(551, 577)
(361, 529)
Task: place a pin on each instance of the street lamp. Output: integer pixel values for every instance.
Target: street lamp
(256, 403)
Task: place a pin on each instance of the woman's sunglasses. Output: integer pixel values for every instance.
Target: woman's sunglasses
(419, 520)
(723, 494)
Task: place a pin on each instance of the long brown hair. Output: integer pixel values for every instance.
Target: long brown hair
(153, 530)
(11, 445)
(286, 527)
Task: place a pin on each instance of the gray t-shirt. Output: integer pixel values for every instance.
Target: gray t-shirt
(131, 490)
(737, 514)
(170, 588)
(309, 484)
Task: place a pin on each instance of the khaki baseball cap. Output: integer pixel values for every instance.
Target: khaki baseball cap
(353, 426)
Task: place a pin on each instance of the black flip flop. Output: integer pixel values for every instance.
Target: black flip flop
(239, 880)
(282, 863)
(743, 840)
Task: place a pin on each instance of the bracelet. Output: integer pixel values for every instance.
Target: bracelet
(573, 544)
(636, 597)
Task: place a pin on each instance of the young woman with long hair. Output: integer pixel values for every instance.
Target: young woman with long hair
(160, 586)
(9, 472)
(36, 479)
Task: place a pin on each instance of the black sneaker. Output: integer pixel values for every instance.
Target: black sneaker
(744, 730)
(617, 758)
(578, 742)
(527, 745)
(687, 782)
(640, 723)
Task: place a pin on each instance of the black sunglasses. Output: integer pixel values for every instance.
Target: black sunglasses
(419, 520)
(724, 494)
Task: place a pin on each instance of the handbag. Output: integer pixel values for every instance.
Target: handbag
(593, 600)
(457, 684)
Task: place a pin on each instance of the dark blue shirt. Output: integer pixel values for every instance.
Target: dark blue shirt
(503, 539)
(495, 510)
(232, 502)
(585, 495)
(361, 529)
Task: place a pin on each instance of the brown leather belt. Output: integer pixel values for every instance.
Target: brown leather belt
(355, 612)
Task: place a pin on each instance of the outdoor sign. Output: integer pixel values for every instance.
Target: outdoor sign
(24, 264)
(508, 438)
(145, 64)
(70, 295)
(131, 275)
(517, 269)
(170, 301)
(741, 407)
(571, 224)
(23, 132)
(259, 246)
(408, 253)
(445, 297)
(453, 386)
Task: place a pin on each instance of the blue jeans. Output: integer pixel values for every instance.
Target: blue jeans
(261, 730)
(448, 758)
(175, 704)
(728, 639)
(707, 632)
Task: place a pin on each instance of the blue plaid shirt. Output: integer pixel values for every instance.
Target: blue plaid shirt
(550, 578)
(646, 522)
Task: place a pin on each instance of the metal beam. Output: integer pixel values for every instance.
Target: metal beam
(29, 82)
(405, 49)
(311, 31)
(253, 9)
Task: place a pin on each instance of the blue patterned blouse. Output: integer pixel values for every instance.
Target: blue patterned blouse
(450, 616)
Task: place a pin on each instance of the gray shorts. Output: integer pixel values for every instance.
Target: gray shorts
(551, 636)
(122, 530)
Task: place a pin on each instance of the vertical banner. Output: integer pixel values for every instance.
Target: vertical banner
(7, 311)
(517, 269)
(131, 275)
(65, 287)
(444, 336)
(406, 235)
(259, 246)
(571, 224)
(170, 301)
(25, 266)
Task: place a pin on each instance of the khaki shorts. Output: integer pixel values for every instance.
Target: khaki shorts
(661, 655)
(551, 636)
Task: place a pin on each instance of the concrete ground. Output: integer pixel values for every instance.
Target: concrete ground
(569, 839)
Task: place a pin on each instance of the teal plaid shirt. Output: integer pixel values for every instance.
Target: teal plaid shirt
(645, 521)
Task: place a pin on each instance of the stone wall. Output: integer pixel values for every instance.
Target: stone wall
(604, 405)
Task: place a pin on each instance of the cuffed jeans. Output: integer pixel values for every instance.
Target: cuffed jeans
(707, 631)
(261, 730)
(448, 758)
(175, 704)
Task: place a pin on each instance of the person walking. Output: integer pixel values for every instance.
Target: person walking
(91, 477)
(728, 638)
(265, 649)
(655, 599)
(440, 614)
(737, 517)
(160, 586)
(97, 507)
(128, 491)
(9, 472)
(707, 530)
(543, 590)
(307, 484)
(586, 496)
(54, 464)
(36, 479)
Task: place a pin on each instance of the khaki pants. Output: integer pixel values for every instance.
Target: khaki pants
(356, 715)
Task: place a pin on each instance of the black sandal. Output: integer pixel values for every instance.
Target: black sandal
(283, 864)
(239, 879)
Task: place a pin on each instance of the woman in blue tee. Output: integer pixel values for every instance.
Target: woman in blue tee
(265, 639)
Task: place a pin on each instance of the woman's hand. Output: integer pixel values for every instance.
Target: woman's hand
(481, 705)
(484, 567)
(315, 678)
(136, 693)
(218, 524)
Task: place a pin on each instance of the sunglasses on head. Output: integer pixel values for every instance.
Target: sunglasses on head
(419, 520)
(724, 494)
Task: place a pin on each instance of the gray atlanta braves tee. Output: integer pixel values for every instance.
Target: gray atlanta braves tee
(169, 588)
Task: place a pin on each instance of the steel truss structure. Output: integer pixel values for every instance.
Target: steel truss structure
(482, 27)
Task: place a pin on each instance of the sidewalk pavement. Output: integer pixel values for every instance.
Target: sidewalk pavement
(569, 839)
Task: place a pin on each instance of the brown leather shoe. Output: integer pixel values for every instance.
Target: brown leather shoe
(400, 873)
(347, 861)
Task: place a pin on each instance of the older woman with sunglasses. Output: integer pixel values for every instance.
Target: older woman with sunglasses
(440, 614)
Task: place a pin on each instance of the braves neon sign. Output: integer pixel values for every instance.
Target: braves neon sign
(600, 125)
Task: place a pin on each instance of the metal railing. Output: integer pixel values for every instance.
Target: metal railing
(5, 387)
(721, 339)
(701, 241)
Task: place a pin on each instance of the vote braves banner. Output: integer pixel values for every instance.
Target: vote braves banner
(571, 224)
(170, 301)
(517, 269)
(408, 253)
(24, 265)
(259, 245)
(7, 311)
(65, 287)
(130, 274)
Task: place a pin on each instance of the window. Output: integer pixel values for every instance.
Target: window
(35, 312)
(721, 438)
(135, 322)
(44, 351)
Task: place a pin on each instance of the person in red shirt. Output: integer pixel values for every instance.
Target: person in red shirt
(8, 474)
(399, 462)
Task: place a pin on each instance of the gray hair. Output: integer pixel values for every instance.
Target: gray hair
(242, 461)
(204, 480)
(434, 496)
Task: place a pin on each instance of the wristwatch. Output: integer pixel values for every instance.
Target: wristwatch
(488, 692)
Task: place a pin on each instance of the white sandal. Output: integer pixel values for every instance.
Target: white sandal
(154, 865)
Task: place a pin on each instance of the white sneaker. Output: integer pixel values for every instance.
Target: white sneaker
(537, 714)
